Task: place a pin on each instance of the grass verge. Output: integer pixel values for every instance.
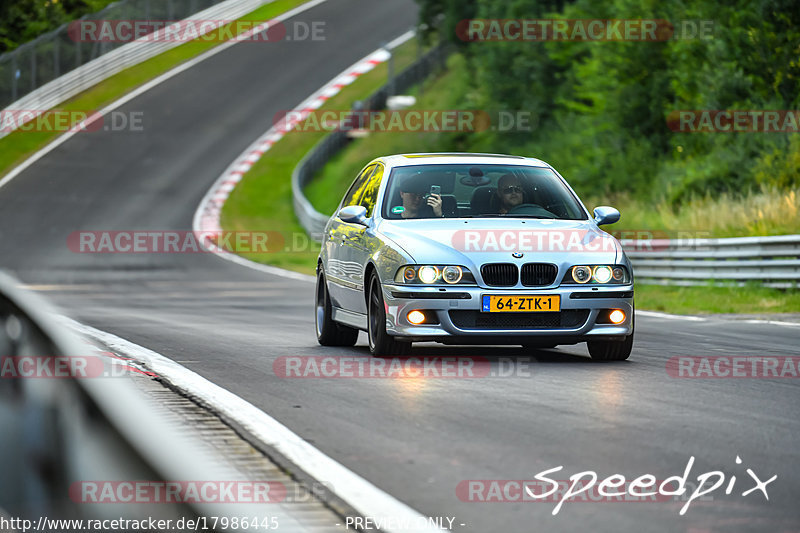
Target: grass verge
(19, 145)
(758, 213)
(263, 199)
(706, 299)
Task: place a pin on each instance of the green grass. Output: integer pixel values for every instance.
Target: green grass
(765, 212)
(19, 145)
(263, 199)
(751, 299)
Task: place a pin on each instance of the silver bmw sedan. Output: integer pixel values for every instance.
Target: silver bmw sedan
(471, 249)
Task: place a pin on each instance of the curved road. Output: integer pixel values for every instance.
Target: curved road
(415, 438)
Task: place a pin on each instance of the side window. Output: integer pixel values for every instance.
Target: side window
(354, 193)
(371, 190)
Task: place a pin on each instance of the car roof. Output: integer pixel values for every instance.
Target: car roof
(447, 158)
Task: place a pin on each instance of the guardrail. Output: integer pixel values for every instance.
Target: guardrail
(769, 261)
(41, 74)
(71, 430)
(312, 220)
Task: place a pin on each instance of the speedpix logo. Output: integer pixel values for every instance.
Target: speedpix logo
(589, 487)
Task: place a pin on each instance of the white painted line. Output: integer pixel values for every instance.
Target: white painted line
(206, 217)
(143, 89)
(362, 495)
(775, 322)
(668, 316)
(694, 318)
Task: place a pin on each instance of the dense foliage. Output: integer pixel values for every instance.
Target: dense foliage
(24, 20)
(603, 106)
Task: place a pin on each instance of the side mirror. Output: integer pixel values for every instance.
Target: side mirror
(354, 214)
(605, 215)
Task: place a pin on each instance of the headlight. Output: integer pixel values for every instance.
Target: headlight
(597, 275)
(434, 274)
(602, 274)
(428, 274)
(581, 274)
(452, 274)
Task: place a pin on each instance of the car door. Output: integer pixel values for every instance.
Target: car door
(362, 244)
(339, 268)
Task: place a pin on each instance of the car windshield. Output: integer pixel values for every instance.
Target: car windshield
(477, 191)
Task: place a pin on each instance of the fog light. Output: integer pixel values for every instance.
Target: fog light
(428, 274)
(416, 317)
(616, 316)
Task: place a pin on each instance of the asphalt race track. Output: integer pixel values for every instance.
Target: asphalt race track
(417, 439)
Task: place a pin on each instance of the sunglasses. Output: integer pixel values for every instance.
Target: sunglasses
(511, 189)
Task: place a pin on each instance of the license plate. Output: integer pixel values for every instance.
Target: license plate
(493, 303)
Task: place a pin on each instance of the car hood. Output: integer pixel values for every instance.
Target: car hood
(473, 242)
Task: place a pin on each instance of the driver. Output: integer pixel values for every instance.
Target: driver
(416, 206)
(510, 193)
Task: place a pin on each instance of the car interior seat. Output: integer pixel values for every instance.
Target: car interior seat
(481, 200)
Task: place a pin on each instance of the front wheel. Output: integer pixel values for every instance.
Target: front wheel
(381, 343)
(611, 350)
(329, 333)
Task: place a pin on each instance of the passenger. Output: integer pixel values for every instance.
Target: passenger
(510, 193)
(414, 207)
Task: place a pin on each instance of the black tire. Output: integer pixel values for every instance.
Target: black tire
(611, 350)
(329, 333)
(381, 344)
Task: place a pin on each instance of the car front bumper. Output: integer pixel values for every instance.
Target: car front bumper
(457, 309)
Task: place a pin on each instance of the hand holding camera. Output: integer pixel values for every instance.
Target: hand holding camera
(434, 199)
